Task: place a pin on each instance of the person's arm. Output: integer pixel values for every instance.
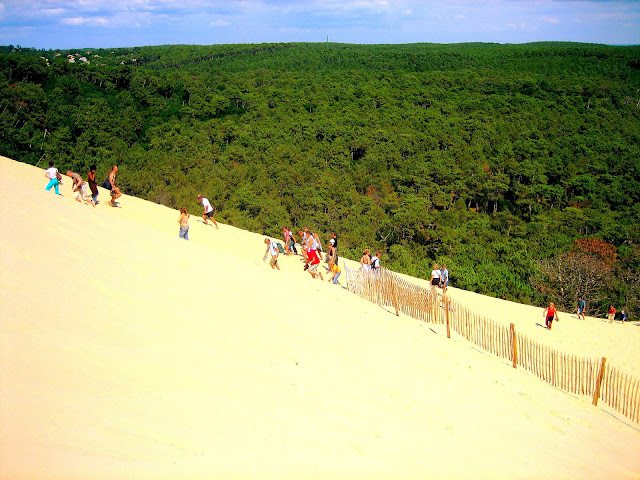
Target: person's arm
(112, 180)
(265, 254)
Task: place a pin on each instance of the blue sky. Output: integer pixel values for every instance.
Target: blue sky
(60, 24)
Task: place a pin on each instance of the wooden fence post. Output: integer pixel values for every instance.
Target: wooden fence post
(445, 300)
(596, 394)
(394, 294)
(514, 342)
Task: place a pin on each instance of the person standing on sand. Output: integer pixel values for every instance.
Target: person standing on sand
(115, 191)
(52, 174)
(375, 261)
(79, 187)
(316, 245)
(184, 223)
(287, 238)
(582, 306)
(303, 245)
(550, 313)
(332, 254)
(444, 278)
(208, 211)
(623, 316)
(292, 242)
(435, 277)
(273, 249)
(365, 261)
(612, 313)
(93, 186)
(334, 237)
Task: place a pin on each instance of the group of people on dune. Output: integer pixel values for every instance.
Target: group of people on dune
(81, 188)
(183, 219)
(551, 313)
(311, 252)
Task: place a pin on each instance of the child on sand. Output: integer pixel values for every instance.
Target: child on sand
(272, 248)
(550, 313)
(183, 220)
(612, 313)
(335, 273)
(52, 175)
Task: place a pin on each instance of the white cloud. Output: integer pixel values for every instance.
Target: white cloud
(219, 23)
(94, 21)
(53, 11)
(550, 20)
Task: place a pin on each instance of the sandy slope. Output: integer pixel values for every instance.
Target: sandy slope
(126, 352)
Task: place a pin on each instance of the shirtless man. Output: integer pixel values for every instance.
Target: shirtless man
(80, 188)
(115, 191)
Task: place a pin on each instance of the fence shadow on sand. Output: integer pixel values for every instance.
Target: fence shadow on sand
(590, 377)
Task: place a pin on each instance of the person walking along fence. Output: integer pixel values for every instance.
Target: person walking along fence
(583, 376)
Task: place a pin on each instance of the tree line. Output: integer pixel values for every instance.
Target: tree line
(517, 165)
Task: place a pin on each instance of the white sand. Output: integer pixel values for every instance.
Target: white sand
(128, 353)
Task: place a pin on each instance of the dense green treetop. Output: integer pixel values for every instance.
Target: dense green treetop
(495, 159)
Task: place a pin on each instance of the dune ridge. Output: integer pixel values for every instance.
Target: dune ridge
(127, 352)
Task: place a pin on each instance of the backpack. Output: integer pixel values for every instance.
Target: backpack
(280, 247)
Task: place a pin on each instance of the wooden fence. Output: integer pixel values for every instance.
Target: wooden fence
(582, 376)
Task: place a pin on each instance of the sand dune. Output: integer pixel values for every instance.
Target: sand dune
(127, 352)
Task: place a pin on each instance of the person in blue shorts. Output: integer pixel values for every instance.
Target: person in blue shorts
(582, 306)
(444, 278)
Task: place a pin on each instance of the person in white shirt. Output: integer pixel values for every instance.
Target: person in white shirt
(52, 175)
(208, 211)
(272, 248)
(375, 261)
(435, 277)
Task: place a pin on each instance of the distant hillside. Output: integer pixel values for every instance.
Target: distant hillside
(517, 165)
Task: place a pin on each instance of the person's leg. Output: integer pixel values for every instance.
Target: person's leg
(53, 183)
